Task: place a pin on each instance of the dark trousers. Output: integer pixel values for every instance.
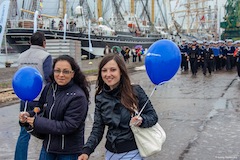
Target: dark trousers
(139, 58)
(217, 63)
(184, 63)
(238, 68)
(230, 62)
(134, 58)
(193, 64)
(207, 65)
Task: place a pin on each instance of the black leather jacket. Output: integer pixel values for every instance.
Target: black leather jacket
(63, 121)
(110, 112)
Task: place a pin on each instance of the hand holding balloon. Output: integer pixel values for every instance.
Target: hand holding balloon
(23, 117)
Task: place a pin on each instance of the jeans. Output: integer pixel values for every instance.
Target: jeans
(44, 155)
(133, 155)
(21, 150)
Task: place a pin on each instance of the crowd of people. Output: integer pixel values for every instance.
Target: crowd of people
(125, 52)
(210, 56)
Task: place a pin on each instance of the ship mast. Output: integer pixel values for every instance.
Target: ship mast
(99, 4)
(132, 7)
(153, 12)
(164, 17)
(62, 8)
(119, 22)
(199, 18)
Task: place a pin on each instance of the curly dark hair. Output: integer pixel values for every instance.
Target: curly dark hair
(79, 78)
(128, 98)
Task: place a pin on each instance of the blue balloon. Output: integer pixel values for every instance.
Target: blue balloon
(27, 83)
(162, 61)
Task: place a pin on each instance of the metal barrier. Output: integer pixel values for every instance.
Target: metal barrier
(57, 47)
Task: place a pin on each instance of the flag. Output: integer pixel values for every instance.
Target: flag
(202, 19)
(3, 18)
(64, 27)
(35, 25)
(89, 36)
(41, 5)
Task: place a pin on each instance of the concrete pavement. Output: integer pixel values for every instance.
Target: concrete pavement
(200, 116)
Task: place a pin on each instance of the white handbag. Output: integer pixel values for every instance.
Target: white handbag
(149, 140)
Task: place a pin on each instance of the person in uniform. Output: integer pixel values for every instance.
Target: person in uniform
(228, 51)
(183, 49)
(208, 59)
(201, 47)
(222, 58)
(216, 52)
(237, 55)
(193, 54)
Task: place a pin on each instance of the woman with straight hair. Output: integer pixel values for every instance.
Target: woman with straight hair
(117, 103)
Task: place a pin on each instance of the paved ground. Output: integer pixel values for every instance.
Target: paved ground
(200, 115)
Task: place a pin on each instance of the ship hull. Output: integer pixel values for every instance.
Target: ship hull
(19, 39)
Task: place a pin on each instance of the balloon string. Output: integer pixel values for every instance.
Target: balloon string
(154, 89)
(25, 108)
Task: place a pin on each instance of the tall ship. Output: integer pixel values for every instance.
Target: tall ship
(109, 22)
(195, 19)
(231, 23)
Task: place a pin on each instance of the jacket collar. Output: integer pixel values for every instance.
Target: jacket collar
(37, 47)
(65, 86)
(114, 92)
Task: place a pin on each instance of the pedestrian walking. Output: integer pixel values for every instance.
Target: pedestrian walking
(64, 105)
(107, 50)
(237, 55)
(117, 102)
(208, 59)
(184, 49)
(134, 55)
(36, 56)
(229, 50)
(139, 54)
(193, 54)
(222, 56)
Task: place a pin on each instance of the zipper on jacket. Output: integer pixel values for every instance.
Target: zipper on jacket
(50, 114)
(62, 141)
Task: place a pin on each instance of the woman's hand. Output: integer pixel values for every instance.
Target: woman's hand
(30, 120)
(23, 117)
(137, 120)
(83, 157)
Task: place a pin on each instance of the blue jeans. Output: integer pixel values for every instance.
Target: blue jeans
(44, 155)
(21, 150)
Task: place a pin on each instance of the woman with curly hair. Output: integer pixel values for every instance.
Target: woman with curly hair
(64, 105)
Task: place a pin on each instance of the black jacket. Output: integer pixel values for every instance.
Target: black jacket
(110, 112)
(63, 120)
